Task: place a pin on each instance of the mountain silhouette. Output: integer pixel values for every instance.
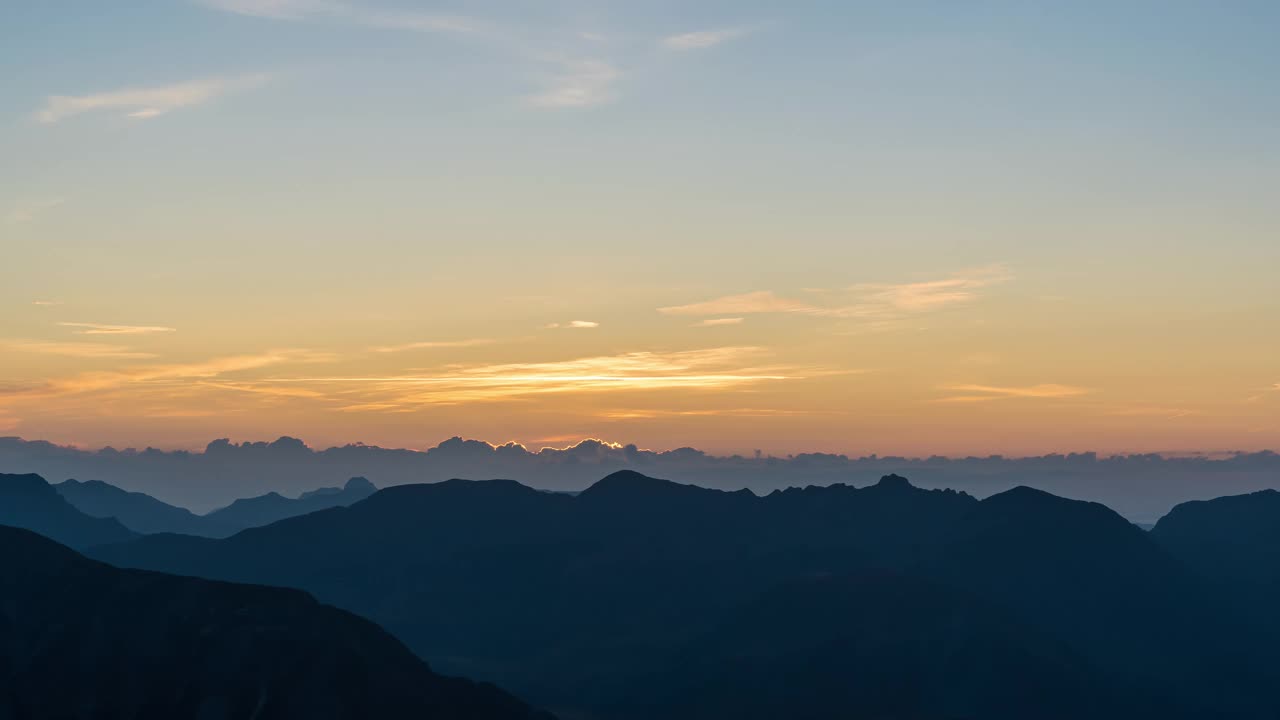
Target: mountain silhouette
(83, 639)
(137, 511)
(145, 514)
(27, 501)
(641, 595)
(266, 509)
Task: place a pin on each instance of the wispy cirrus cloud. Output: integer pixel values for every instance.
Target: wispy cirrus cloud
(702, 39)
(762, 301)
(172, 373)
(432, 344)
(46, 303)
(971, 393)
(719, 322)
(573, 325)
(101, 329)
(357, 14)
(871, 301)
(147, 102)
(75, 349)
(577, 84)
(28, 209)
(647, 414)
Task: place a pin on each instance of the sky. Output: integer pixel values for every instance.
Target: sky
(857, 227)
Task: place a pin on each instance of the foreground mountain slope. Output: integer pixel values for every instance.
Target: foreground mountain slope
(83, 639)
(27, 501)
(878, 645)
(1082, 572)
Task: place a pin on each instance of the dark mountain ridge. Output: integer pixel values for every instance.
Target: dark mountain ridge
(83, 639)
(27, 501)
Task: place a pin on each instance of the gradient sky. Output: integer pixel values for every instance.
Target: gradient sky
(858, 227)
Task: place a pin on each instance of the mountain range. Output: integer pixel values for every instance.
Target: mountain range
(1142, 487)
(642, 598)
(145, 514)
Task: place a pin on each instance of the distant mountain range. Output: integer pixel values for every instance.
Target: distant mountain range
(80, 639)
(145, 514)
(1142, 487)
(642, 598)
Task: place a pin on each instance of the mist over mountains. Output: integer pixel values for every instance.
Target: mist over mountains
(1140, 487)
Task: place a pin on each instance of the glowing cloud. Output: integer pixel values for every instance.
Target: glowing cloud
(712, 368)
(984, 393)
(574, 325)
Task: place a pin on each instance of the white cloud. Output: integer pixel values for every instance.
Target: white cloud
(149, 102)
(701, 39)
(580, 83)
(100, 329)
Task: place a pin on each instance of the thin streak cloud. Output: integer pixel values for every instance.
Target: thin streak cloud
(431, 344)
(101, 329)
(984, 393)
(76, 349)
(345, 12)
(701, 39)
(148, 102)
(869, 301)
(719, 322)
(574, 325)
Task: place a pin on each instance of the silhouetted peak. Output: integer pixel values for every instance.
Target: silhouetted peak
(894, 481)
(628, 483)
(25, 483)
(360, 483)
(633, 489)
(1232, 514)
(1048, 513)
(451, 490)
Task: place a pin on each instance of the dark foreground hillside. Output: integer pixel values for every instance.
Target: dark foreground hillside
(642, 598)
(79, 639)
